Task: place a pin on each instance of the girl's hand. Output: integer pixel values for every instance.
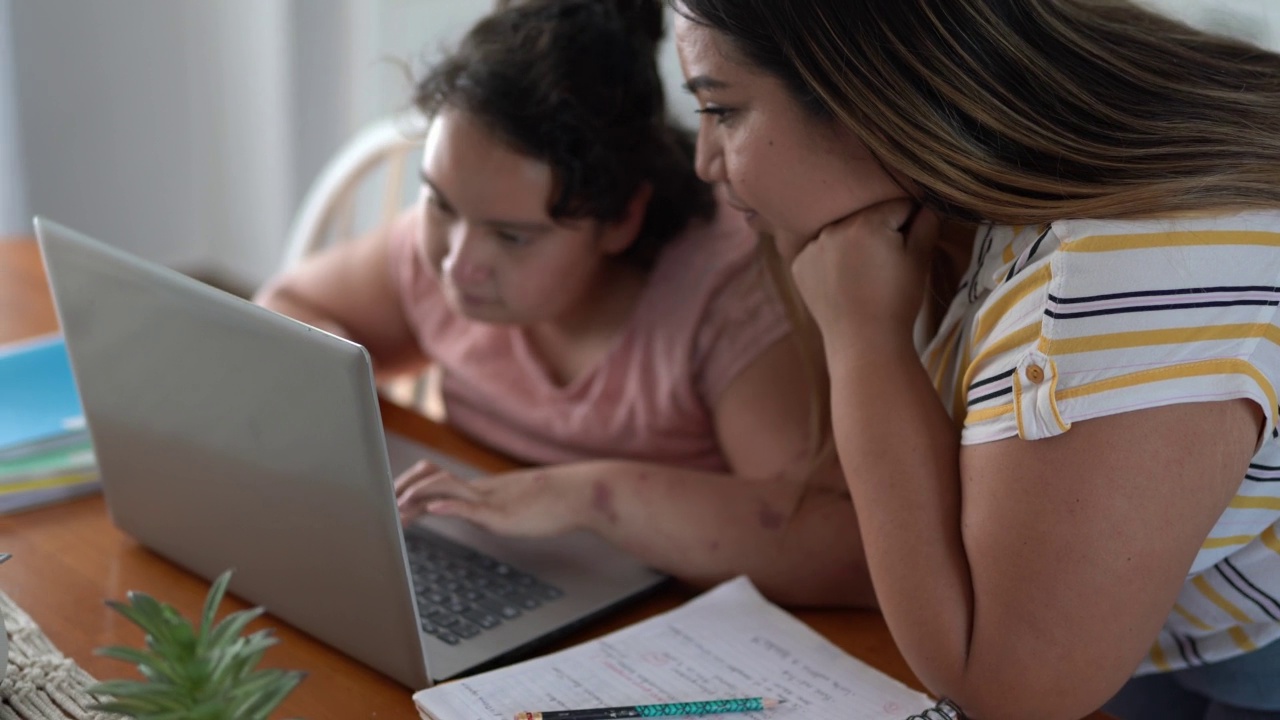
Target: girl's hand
(527, 503)
(865, 275)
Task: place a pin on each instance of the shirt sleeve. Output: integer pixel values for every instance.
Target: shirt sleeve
(1126, 318)
(744, 318)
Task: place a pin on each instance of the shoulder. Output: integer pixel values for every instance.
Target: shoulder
(716, 278)
(1128, 269)
(706, 248)
(712, 269)
(1246, 228)
(1096, 317)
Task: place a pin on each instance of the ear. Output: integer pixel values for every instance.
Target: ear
(618, 236)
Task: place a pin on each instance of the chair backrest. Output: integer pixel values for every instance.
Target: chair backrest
(329, 210)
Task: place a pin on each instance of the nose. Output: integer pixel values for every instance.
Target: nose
(708, 159)
(466, 265)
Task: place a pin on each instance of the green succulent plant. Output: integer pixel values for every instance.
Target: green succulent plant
(205, 673)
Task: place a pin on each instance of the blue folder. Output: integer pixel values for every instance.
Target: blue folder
(38, 398)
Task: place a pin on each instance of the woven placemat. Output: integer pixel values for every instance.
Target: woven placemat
(40, 682)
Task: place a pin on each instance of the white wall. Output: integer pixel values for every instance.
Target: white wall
(185, 131)
(1257, 21)
(107, 108)
(14, 215)
(417, 30)
(180, 130)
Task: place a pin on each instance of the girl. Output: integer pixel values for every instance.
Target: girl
(1079, 480)
(594, 310)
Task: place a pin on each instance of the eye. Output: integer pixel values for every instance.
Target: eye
(435, 204)
(721, 114)
(513, 239)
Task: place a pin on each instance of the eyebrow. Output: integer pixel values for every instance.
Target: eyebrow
(704, 82)
(526, 227)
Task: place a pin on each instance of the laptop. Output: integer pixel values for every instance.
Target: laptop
(229, 436)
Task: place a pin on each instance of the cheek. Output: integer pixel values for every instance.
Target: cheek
(765, 172)
(553, 281)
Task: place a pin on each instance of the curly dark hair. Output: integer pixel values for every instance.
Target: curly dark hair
(575, 83)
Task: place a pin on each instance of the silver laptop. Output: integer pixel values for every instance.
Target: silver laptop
(229, 436)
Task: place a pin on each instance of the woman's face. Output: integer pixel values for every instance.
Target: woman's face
(487, 234)
(793, 174)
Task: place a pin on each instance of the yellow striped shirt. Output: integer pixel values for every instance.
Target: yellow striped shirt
(1083, 319)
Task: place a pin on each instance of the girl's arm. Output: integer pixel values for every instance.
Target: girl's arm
(795, 542)
(1020, 578)
(347, 289)
(791, 529)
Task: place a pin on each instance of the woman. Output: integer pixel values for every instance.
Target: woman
(1078, 481)
(594, 312)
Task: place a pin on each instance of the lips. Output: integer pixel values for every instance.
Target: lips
(732, 201)
(466, 298)
(475, 299)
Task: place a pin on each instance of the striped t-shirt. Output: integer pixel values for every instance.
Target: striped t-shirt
(1084, 318)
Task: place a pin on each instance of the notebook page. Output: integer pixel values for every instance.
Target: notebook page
(728, 642)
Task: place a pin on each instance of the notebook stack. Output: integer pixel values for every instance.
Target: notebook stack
(45, 451)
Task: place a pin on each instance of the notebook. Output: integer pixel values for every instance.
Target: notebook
(728, 642)
(40, 400)
(45, 451)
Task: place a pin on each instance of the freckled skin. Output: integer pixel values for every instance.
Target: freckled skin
(770, 519)
(602, 502)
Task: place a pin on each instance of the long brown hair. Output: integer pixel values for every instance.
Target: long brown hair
(1028, 111)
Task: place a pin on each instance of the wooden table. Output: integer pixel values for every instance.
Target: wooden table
(69, 558)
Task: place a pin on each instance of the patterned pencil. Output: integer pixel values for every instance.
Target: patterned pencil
(679, 709)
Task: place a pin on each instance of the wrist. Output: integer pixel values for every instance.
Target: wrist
(584, 492)
(858, 343)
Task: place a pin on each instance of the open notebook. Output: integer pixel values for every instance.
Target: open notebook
(728, 642)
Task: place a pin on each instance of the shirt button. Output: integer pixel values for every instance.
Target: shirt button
(1034, 374)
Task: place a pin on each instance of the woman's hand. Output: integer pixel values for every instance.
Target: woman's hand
(866, 274)
(527, 503)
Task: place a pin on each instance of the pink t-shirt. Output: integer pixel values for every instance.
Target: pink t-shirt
(708, 310)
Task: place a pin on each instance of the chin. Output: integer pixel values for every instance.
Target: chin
(789, 245)
(486, 313)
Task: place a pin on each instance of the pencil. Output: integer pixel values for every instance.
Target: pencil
(703, 707)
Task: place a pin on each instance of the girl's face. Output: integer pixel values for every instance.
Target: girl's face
(792, 174)
(488, 237)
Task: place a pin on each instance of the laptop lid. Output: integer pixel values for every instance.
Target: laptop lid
(230, 436)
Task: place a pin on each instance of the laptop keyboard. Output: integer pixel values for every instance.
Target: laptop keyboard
(462, 593)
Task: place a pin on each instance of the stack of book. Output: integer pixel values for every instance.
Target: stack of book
(45, 451)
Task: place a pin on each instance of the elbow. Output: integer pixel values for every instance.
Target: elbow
(1049, 692)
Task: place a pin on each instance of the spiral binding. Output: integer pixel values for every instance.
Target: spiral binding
(944, 710)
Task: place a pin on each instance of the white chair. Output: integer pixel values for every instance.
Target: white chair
(363, 187)
(329, 209)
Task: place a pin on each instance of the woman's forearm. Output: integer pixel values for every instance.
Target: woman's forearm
(798, 543)
(899, 447)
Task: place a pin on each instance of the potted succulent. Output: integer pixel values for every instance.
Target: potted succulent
(204, 673)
